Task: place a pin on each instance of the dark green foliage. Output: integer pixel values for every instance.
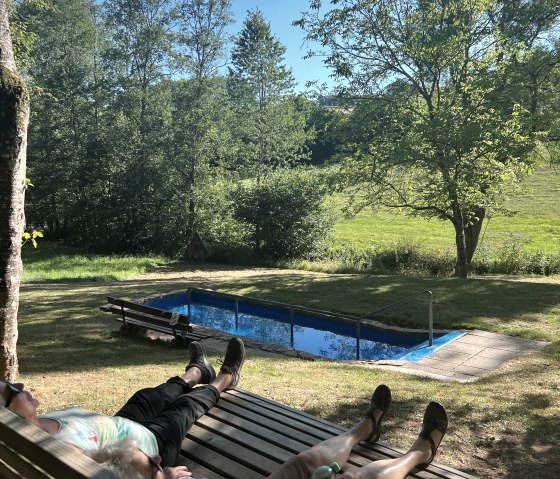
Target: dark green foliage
(284, 216)
(269, 125)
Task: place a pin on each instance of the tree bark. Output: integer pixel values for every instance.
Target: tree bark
(14, 117)
(472, 234)
(462, 263)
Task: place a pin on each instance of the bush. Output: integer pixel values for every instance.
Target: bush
(284, 216)
(402, 257)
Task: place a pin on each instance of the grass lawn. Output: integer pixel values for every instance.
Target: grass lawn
(503, 426)
(535, 224)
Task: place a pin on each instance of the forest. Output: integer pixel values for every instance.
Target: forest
(150, 123)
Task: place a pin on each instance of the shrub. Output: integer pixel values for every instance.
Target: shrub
(284, 216)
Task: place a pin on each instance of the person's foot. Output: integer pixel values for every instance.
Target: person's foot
(378, 406)
(200, 361)
(233, 360)
(434, 428)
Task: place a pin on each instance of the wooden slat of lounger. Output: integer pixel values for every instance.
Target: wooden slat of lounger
(272, 423)
(282, 410)
(270, 429)
(246, 424)
(52, 456)
(198, 471)
(7, 472)
(380, 450)
(14, 461)
(282, 419)
(315, 430)
(266, 449)
(222, 466)
(246, 454)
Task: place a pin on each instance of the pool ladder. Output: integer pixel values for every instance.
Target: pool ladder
(398, 303)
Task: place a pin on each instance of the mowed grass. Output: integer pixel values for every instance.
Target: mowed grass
(504, 426)
(535, 222)
(51, 262)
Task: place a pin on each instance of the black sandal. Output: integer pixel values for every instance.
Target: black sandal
(435, 419)
(380, 399)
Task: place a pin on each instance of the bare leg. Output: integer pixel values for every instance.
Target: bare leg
(338, 448)
(193, 375)
(222, 381)
(397, 468)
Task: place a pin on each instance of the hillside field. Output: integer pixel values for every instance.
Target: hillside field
(534, 224)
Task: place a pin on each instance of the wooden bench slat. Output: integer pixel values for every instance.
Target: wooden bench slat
(147, 318)
(7, 472)
(244, 454)
(307, 427)
(54, 457)
(220, 465)
(244, 424)
(142, 308)
(14, 461)
(251, 442)
(198, 471)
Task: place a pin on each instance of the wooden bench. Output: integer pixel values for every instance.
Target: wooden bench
(135, 316)
(246, 436)
(28, 452)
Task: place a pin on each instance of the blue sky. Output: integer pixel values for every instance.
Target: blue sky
(280, 14)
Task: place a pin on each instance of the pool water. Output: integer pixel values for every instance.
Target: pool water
(315, 335)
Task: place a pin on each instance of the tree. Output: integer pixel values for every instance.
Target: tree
(269, 124)
(445, 132)
(65, 136)
(14, 105)
(200, 106)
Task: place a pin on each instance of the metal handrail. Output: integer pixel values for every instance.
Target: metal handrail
(398, 303)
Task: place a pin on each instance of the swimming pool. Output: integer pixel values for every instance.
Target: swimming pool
(321, 333)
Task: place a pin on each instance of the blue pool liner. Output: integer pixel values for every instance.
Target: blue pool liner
(413, 346)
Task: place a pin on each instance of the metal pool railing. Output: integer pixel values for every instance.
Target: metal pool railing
(293, 309)
(398, 303)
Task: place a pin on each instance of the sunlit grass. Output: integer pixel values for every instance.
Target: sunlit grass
(535, 222)
(55, 263)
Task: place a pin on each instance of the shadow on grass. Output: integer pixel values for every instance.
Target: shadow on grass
(63, 321)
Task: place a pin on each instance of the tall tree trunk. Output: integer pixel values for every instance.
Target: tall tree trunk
(14, 117)
(462, 262)
(472, 234)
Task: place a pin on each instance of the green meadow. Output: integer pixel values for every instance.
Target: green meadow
(533, 222)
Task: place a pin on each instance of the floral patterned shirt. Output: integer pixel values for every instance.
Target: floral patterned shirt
(91, 431)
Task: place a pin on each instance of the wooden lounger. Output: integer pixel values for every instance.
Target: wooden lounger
(244, 437)
(248, 437)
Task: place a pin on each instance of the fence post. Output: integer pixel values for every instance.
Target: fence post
(430, 318)
(358, 334)
(236, 314)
